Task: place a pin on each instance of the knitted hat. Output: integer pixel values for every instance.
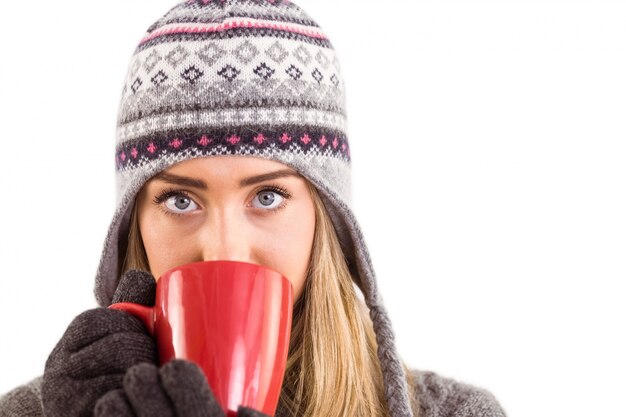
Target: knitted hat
(243, 77)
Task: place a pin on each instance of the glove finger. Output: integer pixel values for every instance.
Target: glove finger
(188, 389)
(113, 404)
(249, 412)
(145, 394)
(137, 287)
(97, 323)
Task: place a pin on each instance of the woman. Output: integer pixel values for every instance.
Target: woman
(232, 145)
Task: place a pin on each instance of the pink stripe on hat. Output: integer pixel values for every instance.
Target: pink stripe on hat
(235, 24)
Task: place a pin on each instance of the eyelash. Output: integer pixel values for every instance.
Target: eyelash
(171, 192)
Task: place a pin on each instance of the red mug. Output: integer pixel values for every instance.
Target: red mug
(231, 318)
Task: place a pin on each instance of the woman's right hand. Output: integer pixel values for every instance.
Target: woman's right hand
(96, 350)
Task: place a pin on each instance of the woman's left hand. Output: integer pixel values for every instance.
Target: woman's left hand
(177, 389)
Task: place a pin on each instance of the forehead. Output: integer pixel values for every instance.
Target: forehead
(228, 163)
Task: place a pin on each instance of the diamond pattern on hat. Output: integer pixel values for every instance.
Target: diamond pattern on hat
(210, 53)
(151, 61)
(192, 74)
(277, 52)
(294, 72)
(136, 85)
(176, 56)
(246, 52)
(229, 72)
(302, 54)
(159, 78)
(264, 71)
(317, 75)
(322, 59)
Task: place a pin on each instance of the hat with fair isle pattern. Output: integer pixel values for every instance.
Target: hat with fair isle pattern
(243, 77)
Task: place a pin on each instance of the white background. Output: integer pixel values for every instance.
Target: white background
(489, 173)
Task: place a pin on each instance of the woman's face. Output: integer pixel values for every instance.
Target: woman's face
(228, 208)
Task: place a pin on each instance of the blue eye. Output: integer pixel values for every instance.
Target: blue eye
(176, 202)
(268, 199)
(179, 203)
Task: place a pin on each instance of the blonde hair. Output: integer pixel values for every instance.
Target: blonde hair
(332, 368)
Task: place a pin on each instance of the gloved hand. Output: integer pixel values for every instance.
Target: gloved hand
(96, 350)
(177, 389)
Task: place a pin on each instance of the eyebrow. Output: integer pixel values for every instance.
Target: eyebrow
(197, 183)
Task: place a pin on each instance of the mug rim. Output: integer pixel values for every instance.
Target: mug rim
(169, 272)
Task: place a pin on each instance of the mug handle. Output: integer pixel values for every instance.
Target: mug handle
(143, 313)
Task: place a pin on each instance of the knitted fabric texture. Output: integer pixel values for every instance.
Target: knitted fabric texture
(438, 397)
(244, 78)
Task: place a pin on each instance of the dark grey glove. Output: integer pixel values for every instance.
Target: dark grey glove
(177, 389)
(95, 352)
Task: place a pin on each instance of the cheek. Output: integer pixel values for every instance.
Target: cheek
(165, 248)
(289, 248)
